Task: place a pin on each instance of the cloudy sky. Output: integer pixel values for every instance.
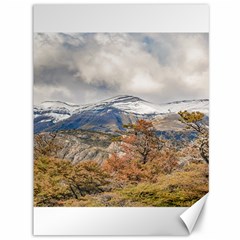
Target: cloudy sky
(85, 68)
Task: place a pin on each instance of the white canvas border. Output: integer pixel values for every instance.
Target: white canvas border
(121, 18)
(115, 18)
(94, 221)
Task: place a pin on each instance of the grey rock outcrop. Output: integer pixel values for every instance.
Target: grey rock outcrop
(80, 145)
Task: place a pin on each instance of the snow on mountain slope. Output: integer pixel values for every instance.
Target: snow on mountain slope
(124, 103)
(58, 104)
(201, 105)
(139, 106)
(54, 111)
(116, 110)
(58, 110)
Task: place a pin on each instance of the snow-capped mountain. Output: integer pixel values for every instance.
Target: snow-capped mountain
(55, 110)
(106, 115)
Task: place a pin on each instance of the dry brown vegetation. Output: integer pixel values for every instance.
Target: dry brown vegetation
(149, 171)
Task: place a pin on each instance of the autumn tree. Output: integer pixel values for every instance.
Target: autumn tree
(143, 156)
(49, 184)
(195, 121)
(45, 145)
(142, 141)
(86, 178)
(165, 163)
(56, 180)
(124, 170)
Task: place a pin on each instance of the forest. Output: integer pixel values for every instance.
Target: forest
(146, 171)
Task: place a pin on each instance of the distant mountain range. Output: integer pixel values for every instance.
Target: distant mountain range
(110, 115)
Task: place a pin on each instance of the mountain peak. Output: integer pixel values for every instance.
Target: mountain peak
(123, 98)
(58, 104)
(113, 112)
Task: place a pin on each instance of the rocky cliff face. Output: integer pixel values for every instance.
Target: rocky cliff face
(85, 132)
(79, 145)
(83, 145)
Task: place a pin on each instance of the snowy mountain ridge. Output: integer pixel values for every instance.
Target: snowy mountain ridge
(52, 112)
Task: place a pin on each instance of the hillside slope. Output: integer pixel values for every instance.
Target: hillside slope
(111, 114)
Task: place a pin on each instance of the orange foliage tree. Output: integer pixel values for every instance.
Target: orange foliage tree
(142, 141)
(125, 170)
(143, 155)
(194, 121)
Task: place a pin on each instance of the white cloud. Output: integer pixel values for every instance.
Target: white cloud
(159, 67)
(143, 83)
